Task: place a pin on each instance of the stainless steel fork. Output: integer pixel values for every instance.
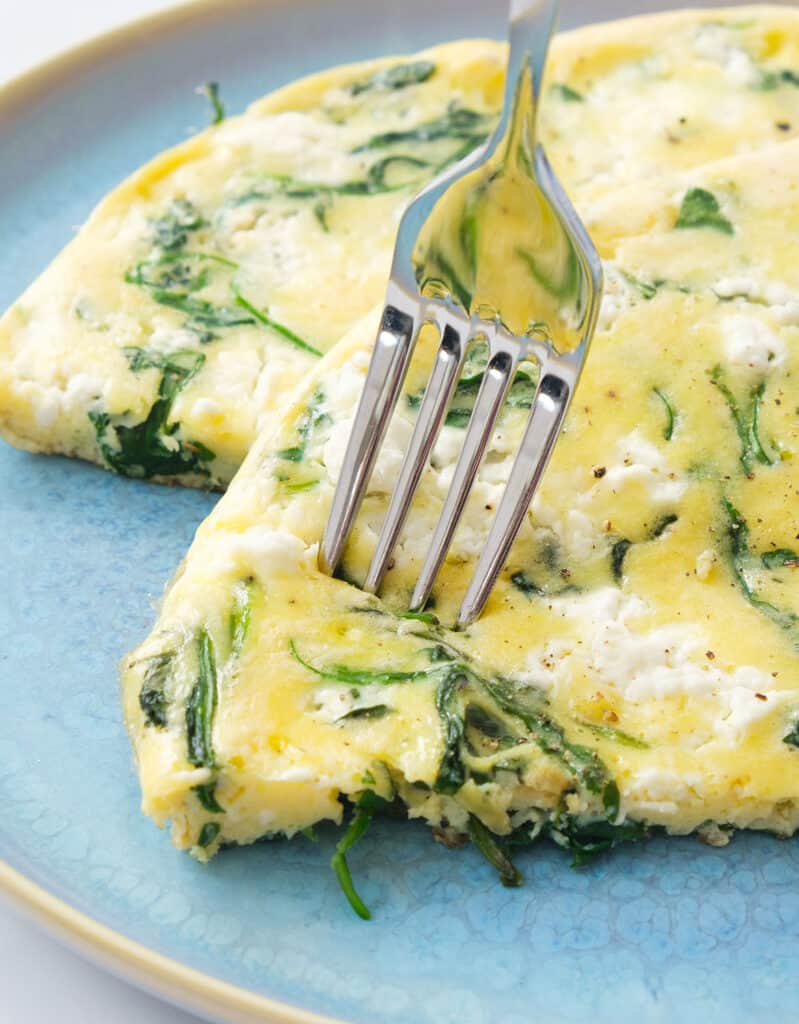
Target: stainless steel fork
(490, 252)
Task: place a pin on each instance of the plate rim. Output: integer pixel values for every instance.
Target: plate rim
(133, 962)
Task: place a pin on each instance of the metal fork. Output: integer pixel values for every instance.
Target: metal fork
(492, 251)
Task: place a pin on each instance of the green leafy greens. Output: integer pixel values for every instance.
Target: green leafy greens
(201, 706)
(746, 419)
(151, 448)
(701, 209)
(398, 76)
(211, 92)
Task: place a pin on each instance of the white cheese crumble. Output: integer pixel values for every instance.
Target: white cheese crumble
(641, 461)
(647, 664)
(713, 43)
(265, 553)
(749, 342)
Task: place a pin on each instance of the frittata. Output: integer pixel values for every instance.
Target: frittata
(637, 666)
(204, 288)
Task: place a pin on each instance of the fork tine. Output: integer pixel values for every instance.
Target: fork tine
(543, 427)
(387, 369)
(443, 379)
(490, 399)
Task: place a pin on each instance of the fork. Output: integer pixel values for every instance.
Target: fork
(491, 252)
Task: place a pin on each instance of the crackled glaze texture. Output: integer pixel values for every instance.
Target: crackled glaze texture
(670, 931)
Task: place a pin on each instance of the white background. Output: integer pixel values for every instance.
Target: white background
(41, 981)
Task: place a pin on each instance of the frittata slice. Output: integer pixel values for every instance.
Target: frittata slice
(637, 665)
(199, 292)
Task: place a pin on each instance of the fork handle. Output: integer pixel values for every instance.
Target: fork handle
(532, 23)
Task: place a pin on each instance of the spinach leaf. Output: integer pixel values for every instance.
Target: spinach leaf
(399, 76)
(153, 700)
(181, 219)
(746, 420)
(311, 420)
(181, 272)
(358, 825)
(781, 558)
(617, 555)
(211, 92)
(201, 707)
(671, 416)
(150, 448)
(527, 703)
(241, 616)
(701, 209)
(662, 525)
(607, 732)
(770, 80)
(451, 772)
(201, 311)
(587, 840)
(745, 564)
(206, 794)
(494, 852)
(273, 325)
(208, 833)
(356, 676)
(792, 738)
(526, 586)
(373, 712)
(458, 123)
(565, 92)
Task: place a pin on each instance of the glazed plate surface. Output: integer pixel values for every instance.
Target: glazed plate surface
(669, 931)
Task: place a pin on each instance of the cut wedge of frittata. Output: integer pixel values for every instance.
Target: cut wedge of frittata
(204, 288)
(637, 665)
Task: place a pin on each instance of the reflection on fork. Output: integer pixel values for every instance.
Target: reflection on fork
(491, 253)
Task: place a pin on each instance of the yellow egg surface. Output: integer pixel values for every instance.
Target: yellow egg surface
(637, 665)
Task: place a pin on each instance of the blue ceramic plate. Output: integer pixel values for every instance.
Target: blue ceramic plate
(670, 931)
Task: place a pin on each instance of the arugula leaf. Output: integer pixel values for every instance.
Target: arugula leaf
(399, 76)
(211, 92)
(358, 825)
(201, 707)
(701, 209)
(671, 416)
(493, 851)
